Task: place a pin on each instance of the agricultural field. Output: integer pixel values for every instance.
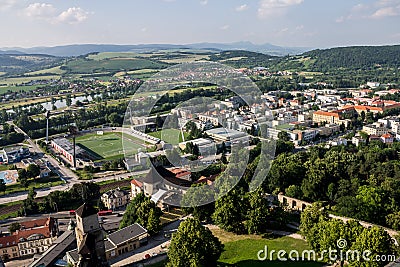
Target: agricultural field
(107, 146)
(82, 66)
(5, 89)
(54, 70)
(108, 55)
(26, 79)
(171, 136)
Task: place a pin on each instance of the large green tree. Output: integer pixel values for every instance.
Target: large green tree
(143, 211)
(193, 245)
(229, 212)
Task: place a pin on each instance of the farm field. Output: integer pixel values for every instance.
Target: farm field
(82, 66)
(26, 79)
(54, 70)
(5, 89)
(108, 146)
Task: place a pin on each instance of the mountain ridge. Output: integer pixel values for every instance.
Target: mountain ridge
(83, 49)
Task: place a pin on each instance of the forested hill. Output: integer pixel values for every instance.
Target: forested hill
(356, 57)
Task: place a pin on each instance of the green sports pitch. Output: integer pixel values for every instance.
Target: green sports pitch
(107, 146)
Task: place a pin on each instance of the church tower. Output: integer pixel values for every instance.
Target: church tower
(89, 237)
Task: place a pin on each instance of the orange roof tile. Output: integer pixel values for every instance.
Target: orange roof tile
(137, 183)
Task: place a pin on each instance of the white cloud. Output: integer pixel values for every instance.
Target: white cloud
(386, 12)
(242, 8)
(225, 27)
(275, 7)
(40, 10)
(340, 19)
(203, 2)
(6, 4)
(378, 10)
(73, 15)
(144, 29)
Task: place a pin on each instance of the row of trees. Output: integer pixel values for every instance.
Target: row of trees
(360, 183)
(324, 234)
(61, 200)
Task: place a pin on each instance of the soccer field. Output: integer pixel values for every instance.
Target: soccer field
(171, 136)
(108, 146)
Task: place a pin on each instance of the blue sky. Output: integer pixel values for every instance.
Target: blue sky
(310, 23)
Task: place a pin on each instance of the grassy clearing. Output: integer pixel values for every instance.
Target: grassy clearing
(108, 146)
(55, 70)
(171, 136)
(38, 183)
(241, 250)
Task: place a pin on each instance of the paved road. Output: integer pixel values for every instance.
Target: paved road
(65, 173)
(46, 191)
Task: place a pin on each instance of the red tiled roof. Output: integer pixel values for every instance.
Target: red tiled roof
(8, 241)
(27, 233)
(387, 136)
(36, 223)
(137, 183)
(325, 113)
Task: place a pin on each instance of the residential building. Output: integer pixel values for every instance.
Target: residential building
(125, 240)
(9, 247)
(181, 173)
(136, 188)
(357, 140)
(209, 119)
(375, 129)
(36, 236)
(11, 155)
(325, 116)
(115, 199)
(387, 139)
(306, 135)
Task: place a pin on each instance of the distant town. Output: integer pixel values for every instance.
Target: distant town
(86, 183)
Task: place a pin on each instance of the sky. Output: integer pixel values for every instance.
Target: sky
(294, 23)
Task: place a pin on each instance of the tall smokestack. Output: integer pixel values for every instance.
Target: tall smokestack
(74, 131)
(47, 126)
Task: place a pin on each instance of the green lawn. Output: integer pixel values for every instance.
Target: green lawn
(171, 136)
(242, 250)
(37, 184)
(243, 253)
(108, 146)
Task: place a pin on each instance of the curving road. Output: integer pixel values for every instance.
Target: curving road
(65, 173)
